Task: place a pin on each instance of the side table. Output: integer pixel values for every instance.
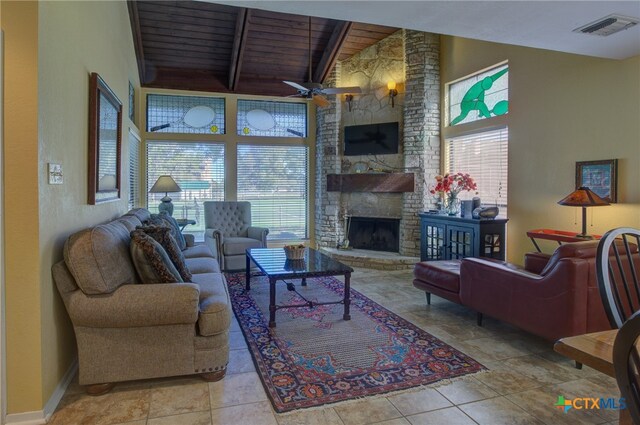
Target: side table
(559, 236)
(184, 222)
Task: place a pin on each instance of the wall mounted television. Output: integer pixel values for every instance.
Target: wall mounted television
(371, 139)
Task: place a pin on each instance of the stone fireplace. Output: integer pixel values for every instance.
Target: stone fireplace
(411, 59)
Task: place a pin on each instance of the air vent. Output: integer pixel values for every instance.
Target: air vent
(608, 25)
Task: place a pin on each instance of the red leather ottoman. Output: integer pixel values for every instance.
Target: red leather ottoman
(439, 277)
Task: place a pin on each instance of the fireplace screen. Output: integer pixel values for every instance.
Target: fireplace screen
(377, 234)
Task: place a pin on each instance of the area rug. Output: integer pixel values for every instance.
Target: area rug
(313, 357)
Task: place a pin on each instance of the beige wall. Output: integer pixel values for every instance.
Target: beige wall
(51, 48)
(22, 268)
(563, 108)
(76, 38)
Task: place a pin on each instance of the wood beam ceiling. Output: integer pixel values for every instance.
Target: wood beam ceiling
(332, 51)
(239, 45)
(134, 17)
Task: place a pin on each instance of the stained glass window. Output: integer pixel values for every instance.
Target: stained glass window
(185, 114)
(479, 96)
(274, 119)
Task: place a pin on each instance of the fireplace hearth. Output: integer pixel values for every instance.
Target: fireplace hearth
(376, 234)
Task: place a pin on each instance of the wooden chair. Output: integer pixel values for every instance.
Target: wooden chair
(617, 271)
(626, 362)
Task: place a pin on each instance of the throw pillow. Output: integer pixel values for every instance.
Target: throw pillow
(182, 243)
(162, 235)
(166, 220)
(151, 260)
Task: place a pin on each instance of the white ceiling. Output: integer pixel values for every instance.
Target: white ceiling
(540, 24)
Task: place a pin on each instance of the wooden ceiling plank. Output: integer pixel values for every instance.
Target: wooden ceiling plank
(182, 37)
(185, 29)
(160, 46)
(239, 44)
(190, 7)
(332, 51)
(171, 17)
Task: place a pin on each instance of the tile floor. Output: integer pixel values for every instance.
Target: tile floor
(524, 380)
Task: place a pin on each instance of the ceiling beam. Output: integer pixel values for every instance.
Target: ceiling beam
(239, 44)
(332, 51)
(137, 39)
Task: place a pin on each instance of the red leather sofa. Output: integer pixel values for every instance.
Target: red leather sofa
(552, 296)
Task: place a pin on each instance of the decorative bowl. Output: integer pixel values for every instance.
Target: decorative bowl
(294, 252)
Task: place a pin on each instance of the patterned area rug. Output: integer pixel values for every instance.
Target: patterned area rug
(313, 357)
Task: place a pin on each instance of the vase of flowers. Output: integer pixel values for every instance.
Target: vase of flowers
(449, 186)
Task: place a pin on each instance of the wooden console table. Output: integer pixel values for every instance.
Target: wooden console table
(559, 236)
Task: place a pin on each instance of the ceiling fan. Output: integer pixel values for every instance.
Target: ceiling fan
(315, 91)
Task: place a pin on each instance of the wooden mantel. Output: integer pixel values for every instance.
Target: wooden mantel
(371, 182)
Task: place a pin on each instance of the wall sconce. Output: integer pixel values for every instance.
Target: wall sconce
(349, 98)
(391, 85)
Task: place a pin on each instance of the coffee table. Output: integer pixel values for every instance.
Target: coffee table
(274, 263)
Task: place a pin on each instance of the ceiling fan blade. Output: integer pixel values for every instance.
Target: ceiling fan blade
(320, 101)
(339, 90)
(296, 85)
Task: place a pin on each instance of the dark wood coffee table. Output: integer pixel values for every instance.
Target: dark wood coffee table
(274, 263)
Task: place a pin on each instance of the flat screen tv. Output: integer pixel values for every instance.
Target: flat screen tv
(371, 139)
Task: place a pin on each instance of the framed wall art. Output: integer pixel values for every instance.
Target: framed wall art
(105, 133)
(599, 176)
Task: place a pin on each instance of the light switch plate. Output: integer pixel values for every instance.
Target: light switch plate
(55, 173)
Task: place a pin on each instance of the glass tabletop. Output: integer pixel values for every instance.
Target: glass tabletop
(273, 262)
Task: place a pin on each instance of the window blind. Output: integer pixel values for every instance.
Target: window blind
(198, 168)
(134, 172)
(274, 180)
(485, 157)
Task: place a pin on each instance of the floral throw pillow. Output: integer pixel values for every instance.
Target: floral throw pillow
(151, 260)
(162, 235)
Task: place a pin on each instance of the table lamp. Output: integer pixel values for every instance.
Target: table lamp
(165, 184)
(583, 197)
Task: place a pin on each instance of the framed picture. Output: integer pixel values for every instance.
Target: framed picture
(599, 176)
(105, 133)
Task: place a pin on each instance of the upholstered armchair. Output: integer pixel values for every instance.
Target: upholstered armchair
(229, 232)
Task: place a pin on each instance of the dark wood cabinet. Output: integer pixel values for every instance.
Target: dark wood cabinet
(444, 237)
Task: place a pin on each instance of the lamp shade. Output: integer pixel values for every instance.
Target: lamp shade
(583, 197)
(165, 184)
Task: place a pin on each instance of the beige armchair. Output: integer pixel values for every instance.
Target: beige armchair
(229, 232)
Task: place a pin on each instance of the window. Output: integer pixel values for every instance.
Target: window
(185, 114)
(485, 157)
(274, 119)
(198, 168)
(479, 96)
(274, 180)
(134, 171)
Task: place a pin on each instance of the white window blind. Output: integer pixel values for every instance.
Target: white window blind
(485, 157)
(198, 168)
(274, 180)
(134, 171)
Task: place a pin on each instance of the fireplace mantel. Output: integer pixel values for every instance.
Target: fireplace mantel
(371, 182)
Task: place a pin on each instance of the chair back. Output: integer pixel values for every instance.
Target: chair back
(233, 219)
(626, 362)
(617, 271)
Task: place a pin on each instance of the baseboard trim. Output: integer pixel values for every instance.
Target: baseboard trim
(62, 386)
(26, 418)
(39, 417)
